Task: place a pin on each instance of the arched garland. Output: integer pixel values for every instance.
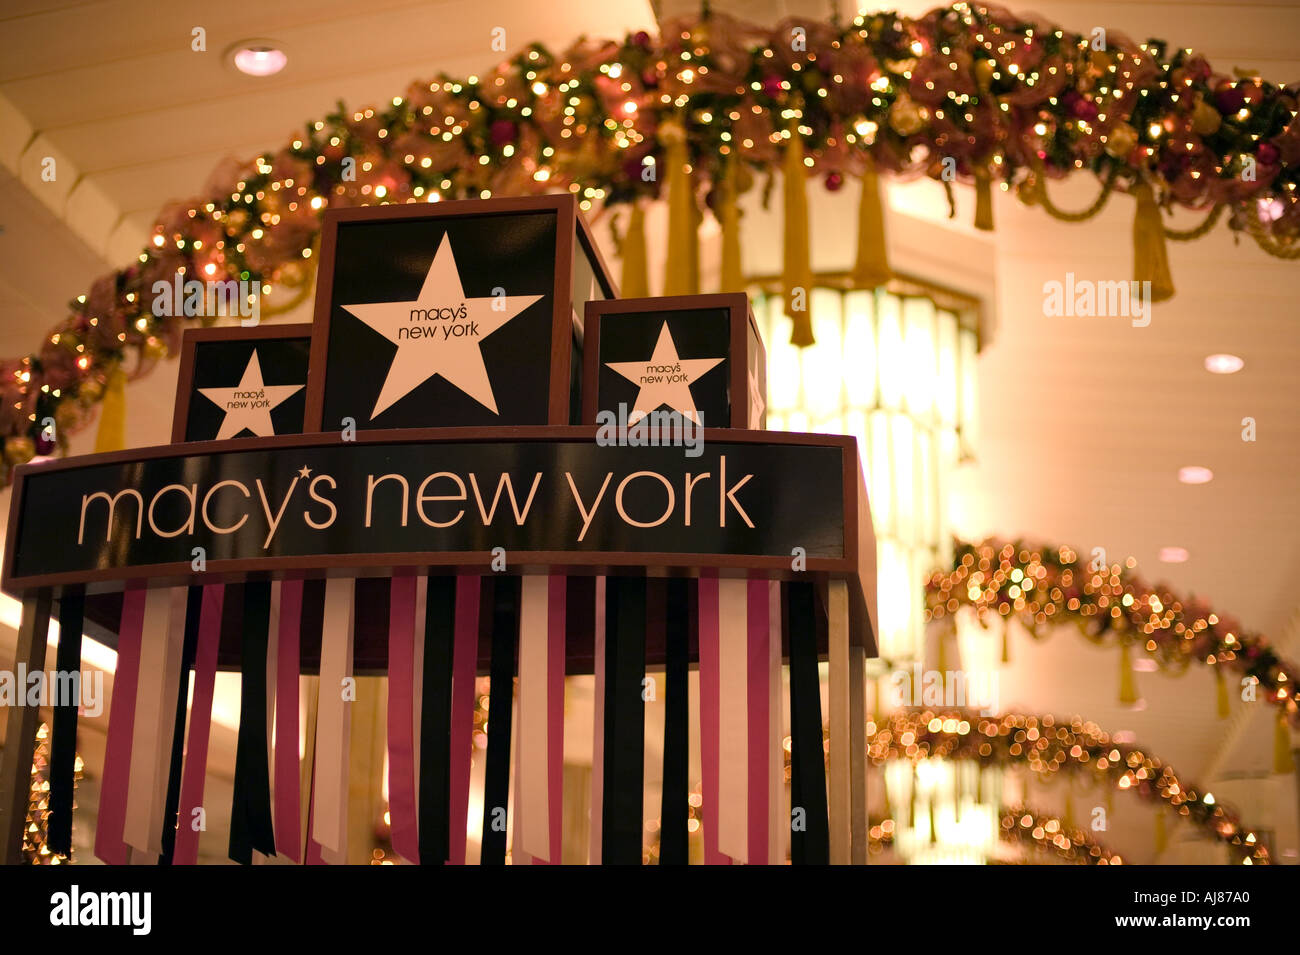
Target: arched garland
(972, 90)
(1048, 746)
(1042, 586)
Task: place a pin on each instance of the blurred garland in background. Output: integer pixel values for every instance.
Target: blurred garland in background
(1044, 586)
(1042, 832)
(970, 93)
(1049, 747)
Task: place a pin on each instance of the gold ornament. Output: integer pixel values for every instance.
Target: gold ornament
(1121, 140)
(19, 450)
(984, 70)
(671, 134)
(1205, 118)
(906, 117)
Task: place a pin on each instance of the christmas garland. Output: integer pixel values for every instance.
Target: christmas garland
(1049, 747)
(1043, 586)
(966, 93)
(1044, 833)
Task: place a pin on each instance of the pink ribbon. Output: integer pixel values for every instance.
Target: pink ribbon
(402, 809)
(288, 806)
(111, 823)
(464, 668)
(196, 744)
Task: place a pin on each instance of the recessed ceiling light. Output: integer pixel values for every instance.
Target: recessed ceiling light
(1173, 555)
(258, 57)
(1223, 364)
(1195, 474)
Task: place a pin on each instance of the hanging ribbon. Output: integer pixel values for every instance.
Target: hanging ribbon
(680, 267)
(162, 640)
(624, 711)
(728, 212)
(797, 277)
(707, 615)
(193, 609)
(194, 773)
(435, 825)
(556, 631)
(674, 812)
(1222, 703)
(732, 812)
(759, 710)
(532, 814)
(635, 280)
(595, 832)
(1150, 258)
(251, 827)
(288, 808)
(810, 841)
(496, 777)
(983, 200)
(334, 720)
(1128, 693)
(63, 745)
(871, 269)
(402, 805)
(463, 690)
(111, 435)
(109, 846)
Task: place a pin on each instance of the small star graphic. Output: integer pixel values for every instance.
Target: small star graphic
(304, 472)
(248, 405)
(663, 366)
(446, 346)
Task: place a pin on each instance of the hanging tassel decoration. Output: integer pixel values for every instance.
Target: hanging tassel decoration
(983, 201)
(635, 277)
(1150, 258)
(112, 417)
(1162, 832)
(1283, 758)
(679, 265)
(1128, 692)
(1221, 692)
(1006, 643)
(872, 266)
(733, 277)
(797, 272)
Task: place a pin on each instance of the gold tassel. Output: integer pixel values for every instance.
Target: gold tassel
(1162, 832)
(636, 280)
(1067, 818)
(112, 416)
(872, 266)
(983, 201)
(1150, 259)
(1110, 798)
(697, 220)
(941, 656)
(679, 265)
(1283, 758)
(797, 273)
(1221, 686)
(1128, 692)
(1006, 642)
(733, 276)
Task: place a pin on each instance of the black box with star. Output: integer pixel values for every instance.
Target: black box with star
(684, 353)
(452, 314)
(237, 382)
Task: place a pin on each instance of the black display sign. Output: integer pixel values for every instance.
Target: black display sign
(332, 505)
(237, 383)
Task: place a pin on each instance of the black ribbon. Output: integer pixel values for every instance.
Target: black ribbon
(193, 609)
(496, 781)
(675, 808)
(809, 842)
(623, 787)
(63, 745)
(435, 721)
(250, 817)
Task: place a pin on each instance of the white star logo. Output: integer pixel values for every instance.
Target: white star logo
(248, 404)
(665, 379)
(439, 334)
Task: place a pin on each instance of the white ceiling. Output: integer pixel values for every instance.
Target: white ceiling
(1083, 422)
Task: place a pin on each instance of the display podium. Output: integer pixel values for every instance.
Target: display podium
(436, 555)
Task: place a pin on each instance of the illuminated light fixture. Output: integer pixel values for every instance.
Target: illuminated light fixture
(258, 57)
(1195, 474)
(895, 367)
(1145, 665)
(1173, 555)
(1223, 364)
